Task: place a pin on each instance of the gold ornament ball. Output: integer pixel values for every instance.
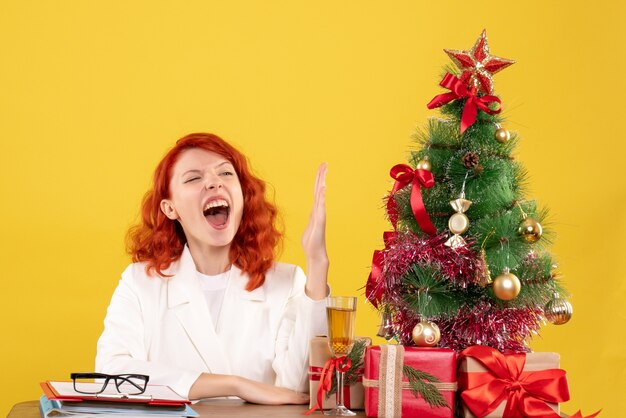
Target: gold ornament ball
(424, 165)
(502, 135)
(530, 230)
(506, 286)
(426, 334)
(558, 311)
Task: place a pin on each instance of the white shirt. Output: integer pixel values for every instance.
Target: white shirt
(161, 326)
(214, 288)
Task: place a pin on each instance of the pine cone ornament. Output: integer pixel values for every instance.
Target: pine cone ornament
(470, 160)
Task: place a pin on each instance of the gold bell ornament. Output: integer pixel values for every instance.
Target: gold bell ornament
(558, 310)
(386, 327)
(506, 286)
(502, 135)
(426, 334)
(483, 274)
(458, 222)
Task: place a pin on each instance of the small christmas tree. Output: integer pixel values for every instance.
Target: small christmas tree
(467, 261)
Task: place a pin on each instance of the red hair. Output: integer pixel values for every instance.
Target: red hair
(159, 241)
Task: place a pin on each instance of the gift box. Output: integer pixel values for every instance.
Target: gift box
(493, 384)
(319, 354)
(388, 392)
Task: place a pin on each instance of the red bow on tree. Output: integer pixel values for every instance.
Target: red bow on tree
(403, 175)
(374, 286)
(525, 393)
(458, 90)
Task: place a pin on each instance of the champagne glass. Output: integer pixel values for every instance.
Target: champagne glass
(341, 312)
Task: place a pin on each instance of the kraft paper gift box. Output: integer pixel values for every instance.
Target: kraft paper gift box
(387, 390)
(319, 354)
(525, 383)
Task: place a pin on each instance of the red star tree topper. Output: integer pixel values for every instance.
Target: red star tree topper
(478, 65)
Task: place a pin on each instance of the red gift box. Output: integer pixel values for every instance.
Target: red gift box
(387, 390)
(520, 385)
(319, 354)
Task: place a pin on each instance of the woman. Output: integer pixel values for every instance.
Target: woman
(204, 308)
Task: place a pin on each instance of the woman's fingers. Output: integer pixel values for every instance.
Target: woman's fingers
(317, 180)
(317, 220)
(314, 241)
(320, 191)
(321, 198)
(263, 393)
(298, 398)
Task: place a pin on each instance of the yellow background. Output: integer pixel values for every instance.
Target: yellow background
(92, 93)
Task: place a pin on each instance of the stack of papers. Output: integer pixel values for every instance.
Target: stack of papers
(61, 400)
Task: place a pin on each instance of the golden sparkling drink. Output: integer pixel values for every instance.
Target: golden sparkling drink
(340, 330)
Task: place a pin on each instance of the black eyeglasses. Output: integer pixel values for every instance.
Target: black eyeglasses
(95, 383)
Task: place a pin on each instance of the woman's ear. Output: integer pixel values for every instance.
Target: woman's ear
(167, 207)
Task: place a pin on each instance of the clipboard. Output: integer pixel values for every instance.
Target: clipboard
(154, 395)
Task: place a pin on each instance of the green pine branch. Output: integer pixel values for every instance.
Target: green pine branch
(421, 384)
(539, 282)
(427, 294)
(493, 185)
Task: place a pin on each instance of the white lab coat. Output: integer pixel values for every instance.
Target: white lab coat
(162, 327)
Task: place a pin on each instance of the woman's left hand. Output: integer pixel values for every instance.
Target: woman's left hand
(314, 241)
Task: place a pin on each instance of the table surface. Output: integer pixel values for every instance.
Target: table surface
(207, 409)
(219, 408)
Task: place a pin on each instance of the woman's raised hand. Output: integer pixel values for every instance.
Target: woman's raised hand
(314, 241)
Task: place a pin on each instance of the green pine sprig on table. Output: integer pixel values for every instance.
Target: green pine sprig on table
(421, 384)
(351, 376)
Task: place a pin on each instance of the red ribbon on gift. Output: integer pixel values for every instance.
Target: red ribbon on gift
(525, 393)
(403, 175)
(315, 375)
(341, 364)
(374, 287)
(459, 90)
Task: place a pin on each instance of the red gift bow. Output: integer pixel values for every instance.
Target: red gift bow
(374, 286)
(526, 393)
(315, 375)
(458, 90)
(342, 364)
(403, 175)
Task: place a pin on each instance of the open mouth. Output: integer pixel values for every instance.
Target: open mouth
(216, 213)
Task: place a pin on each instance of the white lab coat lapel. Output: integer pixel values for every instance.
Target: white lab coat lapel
(186, 300)
(237, 288)
(234, 310)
